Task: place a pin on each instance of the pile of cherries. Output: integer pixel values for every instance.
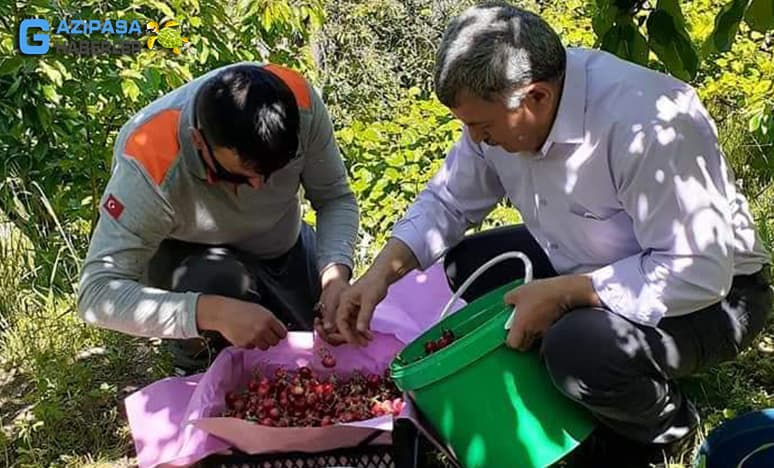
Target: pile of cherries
(447, 338)
(301, 398)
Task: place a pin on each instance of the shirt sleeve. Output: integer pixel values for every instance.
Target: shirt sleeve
(672, 181)
(134, 219)
(463, 191)
(326, 186)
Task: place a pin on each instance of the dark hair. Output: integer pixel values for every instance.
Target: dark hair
(252, 111)
(492, 49)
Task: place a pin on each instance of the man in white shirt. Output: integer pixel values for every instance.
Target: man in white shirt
(648, 266)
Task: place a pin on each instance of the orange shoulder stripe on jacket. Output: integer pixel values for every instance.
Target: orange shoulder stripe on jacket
(154, 144)
(295, 82)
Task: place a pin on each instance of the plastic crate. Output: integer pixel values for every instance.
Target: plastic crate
(371, 456)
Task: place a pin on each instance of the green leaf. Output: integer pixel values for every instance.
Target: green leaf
(625, 40)
(370, 135)
(726, 26)
(204, 55)
(11, 65)
(52, 73)
(130, 90)
(392, 174)
(195, 21)
(673, 8)
(6, 45)
(160, 6)
(760, 15)
(395, 160)
(129, 73)
(44, 116)
(267, 19)
(755, 122)
(50, 93)
(604, 20)
(14, 86)
(672, 45)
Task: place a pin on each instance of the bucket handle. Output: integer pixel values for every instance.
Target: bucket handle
(481, 270)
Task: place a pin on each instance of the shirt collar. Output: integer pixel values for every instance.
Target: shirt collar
(570, 116)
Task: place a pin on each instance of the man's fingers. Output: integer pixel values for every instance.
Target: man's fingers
(277, 328)
(329, 313)
(344, 317)
(515, 336)
(261, 344)
(271, 338)
(248, 345)
(510, 297)
(367, 306)
(335, 339)
(346, 322)
(526, 342)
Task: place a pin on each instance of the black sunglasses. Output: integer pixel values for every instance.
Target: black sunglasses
(221, 173)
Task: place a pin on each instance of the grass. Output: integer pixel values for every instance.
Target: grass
(61, 382)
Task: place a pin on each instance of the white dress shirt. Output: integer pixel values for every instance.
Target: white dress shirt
(630, 186)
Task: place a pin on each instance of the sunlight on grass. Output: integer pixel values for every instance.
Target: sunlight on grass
(60, 402)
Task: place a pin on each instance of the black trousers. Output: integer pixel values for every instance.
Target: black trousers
(288, 286)
(623, 372)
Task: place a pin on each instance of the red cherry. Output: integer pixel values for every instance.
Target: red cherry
(326, 421)
(274, 413)
(373, 381)
(430, 347)
(267, 422)
(253, 385)
(305, 372)
(397, 406)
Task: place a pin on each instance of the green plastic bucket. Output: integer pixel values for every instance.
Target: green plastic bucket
(492, 405)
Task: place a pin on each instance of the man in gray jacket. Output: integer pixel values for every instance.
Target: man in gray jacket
(200, 237)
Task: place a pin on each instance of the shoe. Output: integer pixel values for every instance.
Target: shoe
(607, 449)
(190, 356)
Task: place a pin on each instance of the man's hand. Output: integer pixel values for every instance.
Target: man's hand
(542, 302)
(242, 323)
(335, 280)
(353, 316)
(357, 304)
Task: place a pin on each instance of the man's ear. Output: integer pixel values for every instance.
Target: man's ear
(540, 92)
(541, 98)
(197, 138)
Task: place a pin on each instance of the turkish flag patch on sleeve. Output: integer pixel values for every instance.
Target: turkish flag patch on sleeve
(113, 206)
